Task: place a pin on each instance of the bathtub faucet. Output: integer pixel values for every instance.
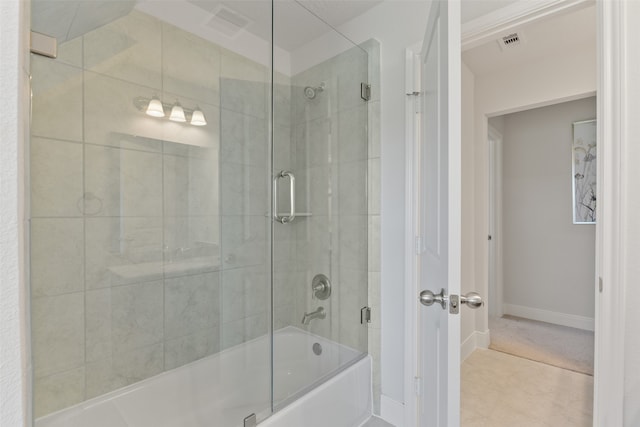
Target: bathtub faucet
(317, 314)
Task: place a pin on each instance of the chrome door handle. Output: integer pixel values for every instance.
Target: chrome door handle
(472, 299)
(428, 298)
(292, 189)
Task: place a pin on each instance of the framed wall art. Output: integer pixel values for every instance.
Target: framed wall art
(584, 156)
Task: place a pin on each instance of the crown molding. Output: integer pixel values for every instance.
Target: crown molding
(493, 25)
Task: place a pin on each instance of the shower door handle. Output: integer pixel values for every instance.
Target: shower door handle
(292, 189)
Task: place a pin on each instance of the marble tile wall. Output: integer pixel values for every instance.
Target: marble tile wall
(147, 236)
(335, 141)
(150, 245)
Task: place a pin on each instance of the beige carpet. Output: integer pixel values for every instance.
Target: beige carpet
(556, 345)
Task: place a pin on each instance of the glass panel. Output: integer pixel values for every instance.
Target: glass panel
(320, 136)
(150, 229)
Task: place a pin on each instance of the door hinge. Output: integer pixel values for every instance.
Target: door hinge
(600, 284)
(489, 237)
(417, 101)
(365, 315)
(417, 385)
(365, 91)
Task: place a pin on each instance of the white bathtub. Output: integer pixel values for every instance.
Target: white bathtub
(222, 389)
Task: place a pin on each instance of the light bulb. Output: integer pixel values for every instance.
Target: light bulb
(197, 118)
(177, 113)
(154, 108)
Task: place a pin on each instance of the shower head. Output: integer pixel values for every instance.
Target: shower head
(311, 92)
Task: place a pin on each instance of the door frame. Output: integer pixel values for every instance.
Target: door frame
(495, 299)
(611, 238)
(609, 317)
(411, 384)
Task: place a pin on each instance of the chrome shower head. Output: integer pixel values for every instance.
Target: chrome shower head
(311, 92)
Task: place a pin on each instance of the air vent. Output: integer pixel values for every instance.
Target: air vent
(510, 41)
(228, 22)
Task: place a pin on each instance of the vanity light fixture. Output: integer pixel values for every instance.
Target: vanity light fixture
(197, 117)
(155, 108)
(177, 113)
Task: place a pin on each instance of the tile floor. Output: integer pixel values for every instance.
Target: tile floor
(500, 390)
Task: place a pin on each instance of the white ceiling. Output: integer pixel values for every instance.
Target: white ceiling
(296, 25)
(68, 19)
(294, 22)
(542, 38)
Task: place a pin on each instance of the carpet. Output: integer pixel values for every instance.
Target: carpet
(556, 345)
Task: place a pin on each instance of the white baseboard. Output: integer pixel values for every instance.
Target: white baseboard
(391, 411)
(571, 320)
(476, 340)
(483, 339)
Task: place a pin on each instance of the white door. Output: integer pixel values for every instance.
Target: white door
(438, 223)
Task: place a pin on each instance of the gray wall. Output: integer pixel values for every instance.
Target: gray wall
(548, 261)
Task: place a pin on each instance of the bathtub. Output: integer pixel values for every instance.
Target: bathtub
(222, 389)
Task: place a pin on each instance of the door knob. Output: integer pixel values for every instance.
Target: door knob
(472, 299)
(428, 298)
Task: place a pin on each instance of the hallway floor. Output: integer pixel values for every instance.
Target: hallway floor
(556, 345)
(500, 390)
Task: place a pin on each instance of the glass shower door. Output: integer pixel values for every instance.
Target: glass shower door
(168, 287)
(150, 213)
(319, 255)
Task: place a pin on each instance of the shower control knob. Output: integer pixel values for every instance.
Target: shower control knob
(321, 287)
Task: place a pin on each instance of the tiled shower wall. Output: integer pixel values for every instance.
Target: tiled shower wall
(329, 133)
(149, 241)
(146, 235)
(335, 144)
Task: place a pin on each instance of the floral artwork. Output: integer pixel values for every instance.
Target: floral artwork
(584, 172)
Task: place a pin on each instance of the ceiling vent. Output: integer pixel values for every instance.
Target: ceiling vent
(510, 41)
(228, 22)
